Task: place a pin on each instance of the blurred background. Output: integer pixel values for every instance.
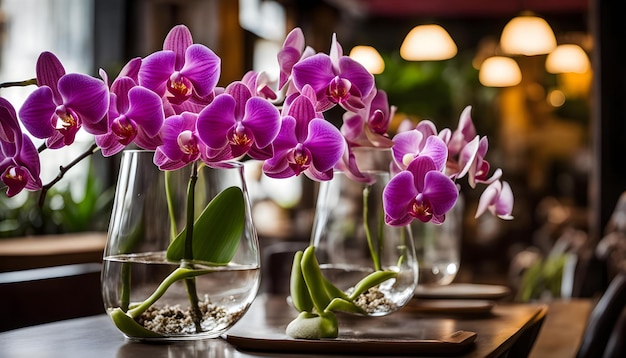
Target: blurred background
(550, 104)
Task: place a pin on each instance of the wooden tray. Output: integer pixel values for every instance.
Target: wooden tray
(263, 329)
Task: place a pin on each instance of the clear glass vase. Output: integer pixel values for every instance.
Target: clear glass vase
(438, 247)
(352, 240)
(154, 285)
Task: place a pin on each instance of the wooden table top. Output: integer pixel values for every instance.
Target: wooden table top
(497, 332)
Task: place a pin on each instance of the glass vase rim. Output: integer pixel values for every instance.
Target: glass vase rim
(225, 164)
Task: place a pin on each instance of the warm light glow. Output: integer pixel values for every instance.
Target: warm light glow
(369, 58)
(566, 59)
(527, 35)
(428, 43)
(499, 71)
(556, 98)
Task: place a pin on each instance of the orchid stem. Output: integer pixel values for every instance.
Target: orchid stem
(366, 227)
(63, 169)
(170, 205)
(32, 81)
(190, 283)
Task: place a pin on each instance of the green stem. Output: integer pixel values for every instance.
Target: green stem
(366, 227)
(170, 205)
(190, 283)
(125, 286)
(178, 274)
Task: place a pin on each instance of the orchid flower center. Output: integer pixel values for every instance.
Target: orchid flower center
(180, 88)
(299, 159)
(14, 174)
(187, 143)
(65, 119)
(240, 137)
(124, 130)
(421, 209)
(338, 90)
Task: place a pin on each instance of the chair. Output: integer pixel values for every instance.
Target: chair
(606, 327)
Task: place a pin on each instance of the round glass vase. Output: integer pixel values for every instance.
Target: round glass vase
(352, 240)
(159, 282)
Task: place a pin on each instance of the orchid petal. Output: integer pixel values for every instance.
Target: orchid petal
(215, 120)
(89, 97)
(397, 197)
(202, 68)
(263, 119)
(419, 167)
(49, 70)
(405, 143)
(178, 39)
(37, 111)
(357, 75)
(146, 109)
(436, 149)
(156, 70)
(325, 143)
(241, 93)
(441, 192)
(120, 87)
(315, 71)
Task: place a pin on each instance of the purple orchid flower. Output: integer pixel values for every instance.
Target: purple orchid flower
(181, 144)
(258, 84)
(182, 70)
(64, 103)
(306, 144)
(293, 50)
(498, 199)
(368, 126)
(135, 115)
(239, 123)
(464, 133)
(336, 79)
(420, 192)
(19, 160)
(412, 144)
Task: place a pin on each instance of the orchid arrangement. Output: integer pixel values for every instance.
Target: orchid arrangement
(169, 102)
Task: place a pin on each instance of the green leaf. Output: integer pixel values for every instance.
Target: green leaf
(216, 232)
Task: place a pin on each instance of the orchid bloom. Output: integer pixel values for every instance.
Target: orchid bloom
(498, 199)
(336, 79)
(293, 50)
(306, 144)
(259, 84)
(181, 144)
(368, 126)
(239, 123)
(64, 103)
(135, 115)
(19, 160)
(181, 70)
(412, 144)
(419, 192)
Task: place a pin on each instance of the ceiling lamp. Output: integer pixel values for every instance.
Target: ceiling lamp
(428, 43)
(527, 35)
(567, 59)
(499, 71)
(369, 58)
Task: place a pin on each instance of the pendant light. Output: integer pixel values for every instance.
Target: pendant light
(499, 71)
(428, 43)
(369, 58)
(528, 35)
(567, 58)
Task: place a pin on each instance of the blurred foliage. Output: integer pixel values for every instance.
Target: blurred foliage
(61, 212)
(542, 279)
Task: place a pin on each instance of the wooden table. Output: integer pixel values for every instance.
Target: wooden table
(507, 327)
